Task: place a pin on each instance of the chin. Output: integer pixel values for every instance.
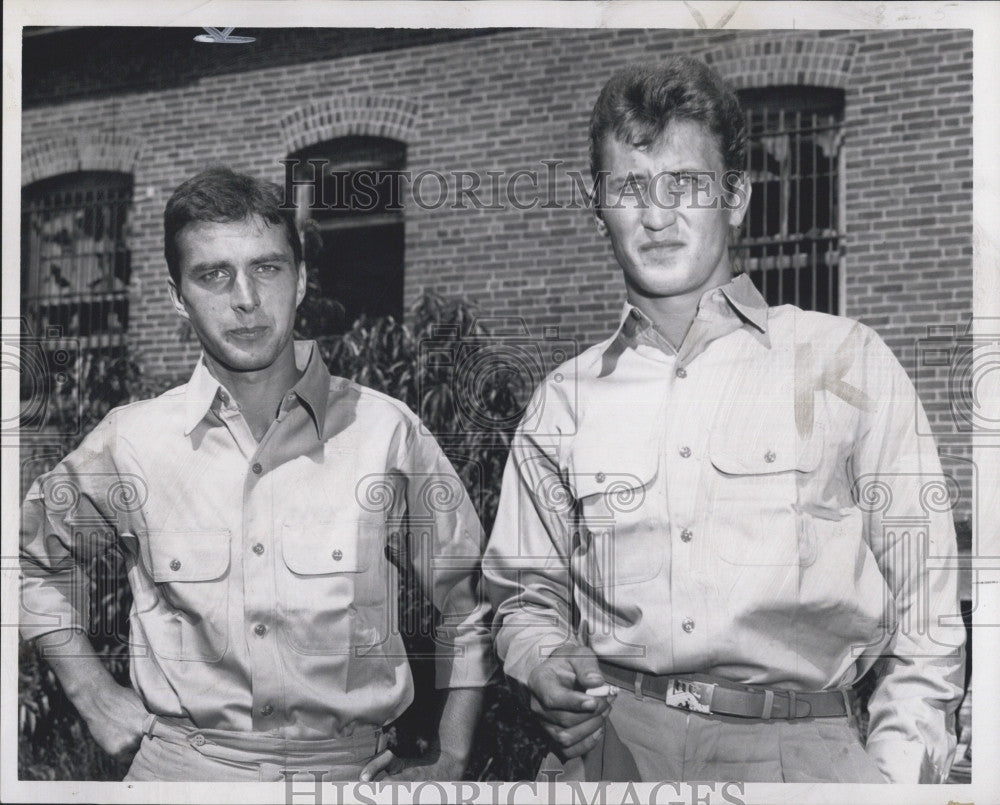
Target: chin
(245, 361)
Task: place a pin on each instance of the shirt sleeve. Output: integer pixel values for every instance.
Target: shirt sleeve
(446, 545)
(527, 560)
(906, 500)
(68, 518)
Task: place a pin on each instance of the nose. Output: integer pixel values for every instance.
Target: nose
(244, 297)
(658, 210)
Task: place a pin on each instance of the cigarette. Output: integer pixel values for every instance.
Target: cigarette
(602, 690)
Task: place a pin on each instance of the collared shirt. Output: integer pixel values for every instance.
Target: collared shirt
(763, 504)
(264, 574)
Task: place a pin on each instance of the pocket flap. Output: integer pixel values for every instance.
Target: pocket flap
(188, 555)
(611, 472)
(765, 452)
(312, 549)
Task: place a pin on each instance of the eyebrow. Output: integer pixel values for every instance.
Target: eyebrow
(273, 257)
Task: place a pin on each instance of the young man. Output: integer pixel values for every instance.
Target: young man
(257, 507)
(698, 513)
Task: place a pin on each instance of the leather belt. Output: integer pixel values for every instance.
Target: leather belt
(702, 693)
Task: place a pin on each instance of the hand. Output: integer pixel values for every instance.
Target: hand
(573, 720)
(115, 716)
(389, 767)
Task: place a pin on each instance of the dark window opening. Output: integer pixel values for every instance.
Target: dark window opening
(356, 224)
(790, 240)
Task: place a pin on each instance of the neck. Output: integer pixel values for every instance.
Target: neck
(258, 393)
(672, 315)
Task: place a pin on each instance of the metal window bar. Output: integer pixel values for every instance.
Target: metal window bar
(789, 243)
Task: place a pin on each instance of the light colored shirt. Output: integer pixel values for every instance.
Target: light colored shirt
(759, 505)
(264, 595)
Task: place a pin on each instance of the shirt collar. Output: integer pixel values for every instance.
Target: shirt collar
(312, 388)
(742, 295)
(746, 300)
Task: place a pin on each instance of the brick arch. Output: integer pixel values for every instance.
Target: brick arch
(376, 116)
(79, 152)
(796, 61)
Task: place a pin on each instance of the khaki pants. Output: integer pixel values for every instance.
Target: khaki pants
(646, 741)
(173, 751)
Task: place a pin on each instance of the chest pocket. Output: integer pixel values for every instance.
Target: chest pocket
(328, 571)
(186, 614)
(759, 477)
(617, 538)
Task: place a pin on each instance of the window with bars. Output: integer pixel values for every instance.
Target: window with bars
(790, 240)
(357, 215)
(75, 271)
(75, 264)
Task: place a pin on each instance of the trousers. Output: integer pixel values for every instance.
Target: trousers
(645, 740)
(174, 751)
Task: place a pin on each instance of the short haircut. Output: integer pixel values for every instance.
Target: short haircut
(640, 101)
(220, 195)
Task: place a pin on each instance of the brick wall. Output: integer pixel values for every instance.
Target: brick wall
(513, 99)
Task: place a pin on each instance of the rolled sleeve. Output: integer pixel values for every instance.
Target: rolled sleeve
(527, 560)
(446, 545)
(66, 520)
(906, 499)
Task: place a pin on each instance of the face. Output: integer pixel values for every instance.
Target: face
(239, 288)
(665, 213)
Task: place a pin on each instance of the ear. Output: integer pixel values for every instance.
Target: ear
(738, 192)
(177, 300)
(300, 283)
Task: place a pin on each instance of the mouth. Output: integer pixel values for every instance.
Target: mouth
(661, 245)
(247, 333)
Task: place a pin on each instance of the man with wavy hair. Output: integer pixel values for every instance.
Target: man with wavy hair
(263, 504)
(692, 516)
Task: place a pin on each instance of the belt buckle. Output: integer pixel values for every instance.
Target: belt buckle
(688, 694)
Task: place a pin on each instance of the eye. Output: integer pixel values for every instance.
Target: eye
(267, 268)
(212, 275)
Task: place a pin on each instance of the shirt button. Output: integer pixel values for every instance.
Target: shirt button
(687, 625)
(635, 314)
(681, 372)
(257, 469)
(686, 535)
(685, 452)
(198, 740)
(258, 549)
(600, 477)
(266, 710)
(175, 564)
(337, 555)
(260, 630)
(223, 398)
(769, 456)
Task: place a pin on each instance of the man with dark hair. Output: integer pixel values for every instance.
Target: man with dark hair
(693, 518)
(258, 509)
